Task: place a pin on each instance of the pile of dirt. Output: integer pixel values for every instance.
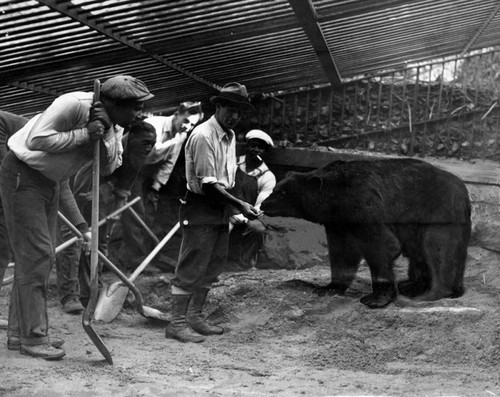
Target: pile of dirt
(281, 339)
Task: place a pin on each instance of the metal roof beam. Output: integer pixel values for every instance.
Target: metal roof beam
(306, 14)
(334, 11)
(82, 16)
(35, 88)
(481, 29)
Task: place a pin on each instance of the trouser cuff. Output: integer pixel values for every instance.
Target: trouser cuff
(39, 340)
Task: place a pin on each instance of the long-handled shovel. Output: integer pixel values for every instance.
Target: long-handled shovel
(146, 311)
(113, 297)
(88, 314)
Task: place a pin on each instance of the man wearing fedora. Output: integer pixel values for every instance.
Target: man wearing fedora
(204, 214)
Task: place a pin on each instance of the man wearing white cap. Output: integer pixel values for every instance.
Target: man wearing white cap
(254, 183)
(43, 155)
(204, 214)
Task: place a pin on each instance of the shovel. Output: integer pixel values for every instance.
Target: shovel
(146, 311)
(94, 248)
(113, 297)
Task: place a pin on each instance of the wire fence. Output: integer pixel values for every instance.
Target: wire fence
(445, 109)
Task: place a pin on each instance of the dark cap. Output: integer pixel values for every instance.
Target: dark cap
(126, 87)
(235, 93)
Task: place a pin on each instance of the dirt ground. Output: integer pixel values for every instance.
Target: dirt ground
(281, 340)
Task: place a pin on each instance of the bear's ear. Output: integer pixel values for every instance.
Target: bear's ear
(313, 182)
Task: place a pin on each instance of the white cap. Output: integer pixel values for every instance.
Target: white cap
(258, 134)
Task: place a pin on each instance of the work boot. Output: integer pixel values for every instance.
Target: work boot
(14, 342)
(195, 314)
(73, 306)
(179, 328)
(45, 351)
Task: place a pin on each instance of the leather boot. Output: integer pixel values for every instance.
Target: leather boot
(14, 342)
(195, 314)
(179, 328)
(45, 351)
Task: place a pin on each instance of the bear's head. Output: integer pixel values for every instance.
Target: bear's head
(293, 196)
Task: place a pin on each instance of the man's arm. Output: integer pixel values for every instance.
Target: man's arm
(217, 193)
(55, 131)
(70, 209)
(266, 184)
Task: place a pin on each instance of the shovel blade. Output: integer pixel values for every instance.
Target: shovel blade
(97, 341)
(151, 312)
(110, 302)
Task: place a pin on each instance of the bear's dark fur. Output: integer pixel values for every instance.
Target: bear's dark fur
(377, 210)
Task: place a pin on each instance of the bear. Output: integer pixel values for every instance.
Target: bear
(376, 210)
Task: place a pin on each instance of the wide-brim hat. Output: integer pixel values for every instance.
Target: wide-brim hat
(235, 93)
(126, 87)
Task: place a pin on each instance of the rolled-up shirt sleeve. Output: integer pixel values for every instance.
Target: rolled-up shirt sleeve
(266, 184)
(204, 159)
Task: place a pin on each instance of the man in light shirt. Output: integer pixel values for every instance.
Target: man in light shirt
(204, 215)
(171, 134)
(43, 155)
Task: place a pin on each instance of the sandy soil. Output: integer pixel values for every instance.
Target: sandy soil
(281, 340)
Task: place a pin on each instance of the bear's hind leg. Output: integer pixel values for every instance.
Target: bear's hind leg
(418, 280)
(445, 254)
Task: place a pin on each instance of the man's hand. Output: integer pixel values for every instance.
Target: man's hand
(98, 113)
(249, 211)
(87, 236)
(95, 129)
(238, 219)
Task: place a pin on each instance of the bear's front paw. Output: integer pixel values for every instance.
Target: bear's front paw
(376, 301)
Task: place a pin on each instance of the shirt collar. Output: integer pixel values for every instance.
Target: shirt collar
(221, 133)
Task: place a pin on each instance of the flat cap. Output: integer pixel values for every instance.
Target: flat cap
(126, 87)
(258, 134)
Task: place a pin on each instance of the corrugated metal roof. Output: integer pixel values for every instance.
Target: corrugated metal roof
(187, 49)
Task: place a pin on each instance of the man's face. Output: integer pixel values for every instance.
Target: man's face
(140, 144)
(185, 122)
(256, 148)
(124, 114)
(228, 116)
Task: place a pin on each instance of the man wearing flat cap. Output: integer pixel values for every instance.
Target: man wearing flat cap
(34, 176)
(254, 183)
(204, 214)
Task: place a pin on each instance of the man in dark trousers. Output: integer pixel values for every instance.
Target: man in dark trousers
(43, 155)
(171, 134)
(204, 215)
(9, 124)
(254, 183)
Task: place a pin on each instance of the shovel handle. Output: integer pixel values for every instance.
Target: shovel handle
(94, 249)
(153, 253)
